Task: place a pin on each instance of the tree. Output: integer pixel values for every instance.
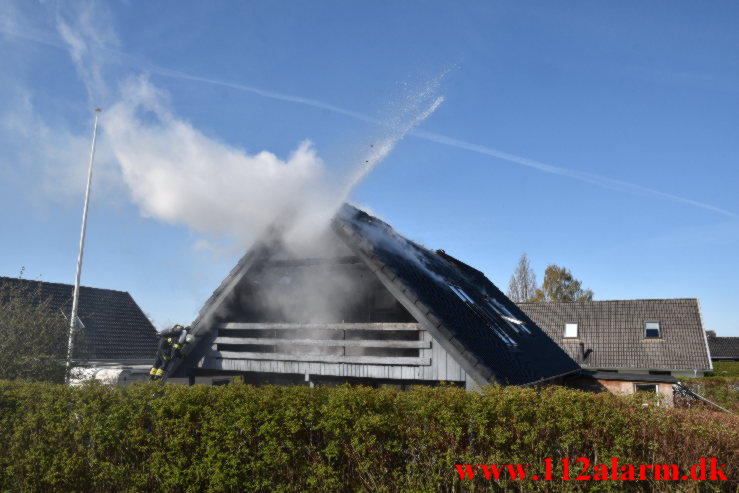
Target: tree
(559, 285)
(522, 285)
(33, 336)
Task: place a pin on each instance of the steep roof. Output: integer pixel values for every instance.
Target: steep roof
(420, 279)
(115, 328)
(726, 348)
(615, 331)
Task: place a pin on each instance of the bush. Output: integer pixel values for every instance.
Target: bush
(33, 336)
(242, 438)
(724, 369)
(724, 391)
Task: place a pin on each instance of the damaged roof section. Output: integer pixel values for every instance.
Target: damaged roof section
(469, 314)
(464, 314)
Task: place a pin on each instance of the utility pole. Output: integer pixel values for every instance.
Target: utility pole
(76, 295)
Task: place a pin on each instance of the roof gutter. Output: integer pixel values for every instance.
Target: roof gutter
(542, 380)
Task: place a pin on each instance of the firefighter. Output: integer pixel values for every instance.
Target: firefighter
(171, 342)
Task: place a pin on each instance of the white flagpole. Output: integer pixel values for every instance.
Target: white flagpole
(75, 297)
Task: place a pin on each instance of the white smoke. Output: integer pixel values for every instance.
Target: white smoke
(177, 174)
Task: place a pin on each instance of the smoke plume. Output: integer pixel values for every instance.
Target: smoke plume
(177, 174)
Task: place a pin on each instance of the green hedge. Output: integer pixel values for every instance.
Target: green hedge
(242, 438)
(724, 391)
(724, 369)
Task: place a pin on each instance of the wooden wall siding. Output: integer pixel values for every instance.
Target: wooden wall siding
(230, 326)
(325, 349)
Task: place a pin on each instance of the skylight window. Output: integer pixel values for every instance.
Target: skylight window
(502, 335)
(506, 315)
(570, 330)
(498, 331)
(462, 295)
(651, 330)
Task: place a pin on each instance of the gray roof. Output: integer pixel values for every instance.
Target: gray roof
(726, 348)
(115, 328)
(614, 330)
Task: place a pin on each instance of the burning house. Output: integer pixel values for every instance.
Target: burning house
(364, 304)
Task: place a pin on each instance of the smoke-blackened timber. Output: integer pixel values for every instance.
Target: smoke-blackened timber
(363, 303)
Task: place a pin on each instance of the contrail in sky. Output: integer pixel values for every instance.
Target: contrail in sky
(264, 93)
(601, 181)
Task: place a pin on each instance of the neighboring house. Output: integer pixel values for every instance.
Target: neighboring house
(657, 337)
(364, 304)
(119, 341)
(724, 348)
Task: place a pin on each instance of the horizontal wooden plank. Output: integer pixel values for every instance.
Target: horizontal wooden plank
(307, 262)
(323, 342)
(345, 326)
(367, 360)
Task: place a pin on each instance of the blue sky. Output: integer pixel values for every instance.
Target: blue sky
(596, 135)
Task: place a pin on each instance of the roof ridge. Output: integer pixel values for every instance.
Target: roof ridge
(601, 301)
(19, 279)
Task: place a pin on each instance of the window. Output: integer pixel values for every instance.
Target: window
(498, 331)
(651, 330)
(462, 295)
(503, 336)
(570, 330)
(505, 314)
(646, 387)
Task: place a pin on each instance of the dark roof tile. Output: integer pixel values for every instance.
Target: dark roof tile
(614, 330)
(115, 328)
(426, 274)
(724, 347)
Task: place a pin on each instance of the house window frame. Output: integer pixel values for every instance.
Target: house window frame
(659, 329)
(646, 384)
(461, 293)
(577, 330)
(498, 331)
(504, 313)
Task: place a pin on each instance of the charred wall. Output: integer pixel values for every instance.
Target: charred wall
(332, 290)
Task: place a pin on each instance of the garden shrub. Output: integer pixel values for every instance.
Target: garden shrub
(147, 437)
